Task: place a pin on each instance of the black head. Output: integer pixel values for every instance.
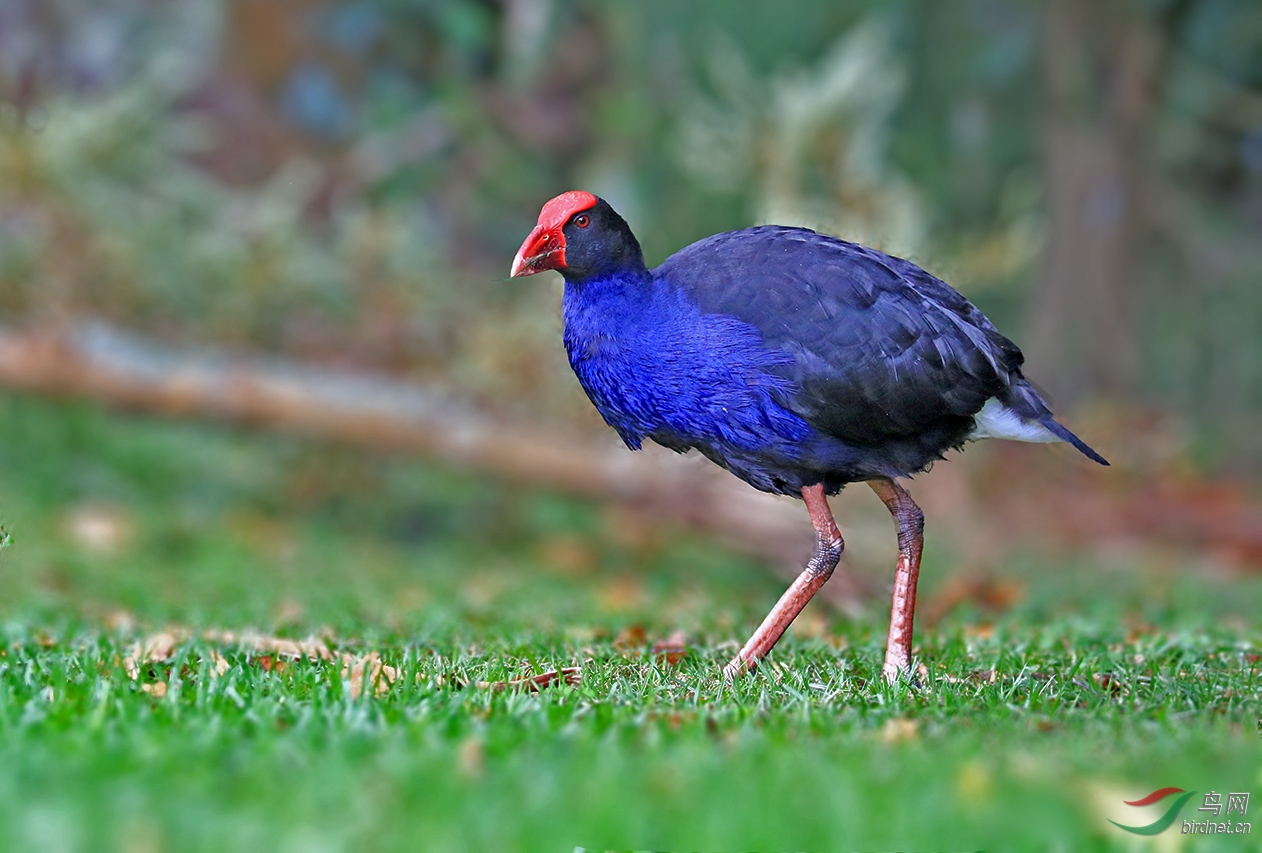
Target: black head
(580, 236)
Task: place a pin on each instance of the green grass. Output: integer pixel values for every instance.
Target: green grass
(1104, 682)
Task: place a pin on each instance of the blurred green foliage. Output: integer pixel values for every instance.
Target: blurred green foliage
(346, 180)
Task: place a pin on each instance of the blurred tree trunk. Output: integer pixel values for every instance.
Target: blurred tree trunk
(1101, 62)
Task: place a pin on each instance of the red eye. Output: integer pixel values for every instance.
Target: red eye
(582, 221)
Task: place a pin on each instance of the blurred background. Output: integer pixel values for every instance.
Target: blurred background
(299, 217)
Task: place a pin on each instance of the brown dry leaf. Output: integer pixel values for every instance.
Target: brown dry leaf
(159, 646)
(471, 757)
(980, 631)
(265, 536)
(632, 529)
(155, 647)
(991, 594)
(568, 555)
(621, 594)
(900, 730)
(1137, 628)
(120, 621)
(98, 528)
(630, 638)
(674, 719)
(288, 612)
(1110, 682)
(366, 670)
(974, 783)
(406, 599)
(673, 649)
(482, 588)
(570, 675)
(271, 664)
(811, 624)
(156, 689)
(312, 648)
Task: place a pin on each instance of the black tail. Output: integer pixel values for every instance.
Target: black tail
(1065, 435)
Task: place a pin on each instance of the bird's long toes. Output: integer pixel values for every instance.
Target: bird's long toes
(737, 667)
(916, 677)
(895, 673)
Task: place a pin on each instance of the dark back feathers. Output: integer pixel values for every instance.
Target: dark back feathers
(880, 348)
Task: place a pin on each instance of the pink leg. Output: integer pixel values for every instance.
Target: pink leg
(911, 527)
(818, 570)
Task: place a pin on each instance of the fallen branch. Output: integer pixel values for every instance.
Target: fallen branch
(101, 363)
(105, 364)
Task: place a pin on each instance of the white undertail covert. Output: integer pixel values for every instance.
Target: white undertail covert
(996, 420)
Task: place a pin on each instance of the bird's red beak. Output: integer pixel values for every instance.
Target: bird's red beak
(544, 249)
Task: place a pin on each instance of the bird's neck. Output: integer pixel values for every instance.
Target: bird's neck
(608, 300)
(615, 318)
(624, 280)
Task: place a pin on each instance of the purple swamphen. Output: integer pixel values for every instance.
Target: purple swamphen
(797, 361)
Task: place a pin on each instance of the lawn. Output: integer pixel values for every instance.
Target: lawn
(147, 701)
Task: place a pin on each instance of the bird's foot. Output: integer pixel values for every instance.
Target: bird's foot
(916, 677)
(737, 667)
(895, 674)
(897, 666)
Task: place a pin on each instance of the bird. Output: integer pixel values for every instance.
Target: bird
(799, 362)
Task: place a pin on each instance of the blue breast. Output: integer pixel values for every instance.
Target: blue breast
(656, 367)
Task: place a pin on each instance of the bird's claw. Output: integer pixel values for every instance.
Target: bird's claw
(737, 667)
(895, 674)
